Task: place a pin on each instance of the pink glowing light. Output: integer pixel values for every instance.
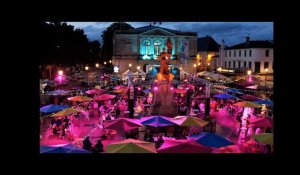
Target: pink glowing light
(139, 88)
(155, 88)
(200, 88)
(172, 88)
(187, 88)
(59, 77)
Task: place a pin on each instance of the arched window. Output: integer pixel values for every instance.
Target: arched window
(146, 45)
(157, 45)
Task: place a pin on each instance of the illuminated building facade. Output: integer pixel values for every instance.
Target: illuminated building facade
(141, 46)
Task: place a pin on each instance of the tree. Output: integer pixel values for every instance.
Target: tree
(62, 44)
(107, 38)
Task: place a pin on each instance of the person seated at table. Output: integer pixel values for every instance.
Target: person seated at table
(98, 148)
(66, 122)
(118, 112)
(87, 145)
(159, 142)
(58, 122)
(196, 105)
(148, 135)
(53, 121)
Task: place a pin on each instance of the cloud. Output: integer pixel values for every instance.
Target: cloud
(231, 32)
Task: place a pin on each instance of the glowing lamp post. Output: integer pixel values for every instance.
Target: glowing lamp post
(97, 66)
(249, 72)
(110, 61)
(195, 65)
(60, 73)
(266, 70)
(86, 68)
(130, 65)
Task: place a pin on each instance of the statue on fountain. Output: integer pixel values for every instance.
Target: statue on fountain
(164, 57)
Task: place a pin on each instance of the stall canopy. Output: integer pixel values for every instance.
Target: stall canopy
(183, 146)
(157, 121)
(131, 146)
(211, 140)
(53, 108)
(66, 148)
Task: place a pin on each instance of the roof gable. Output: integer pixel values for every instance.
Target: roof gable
(158, 32)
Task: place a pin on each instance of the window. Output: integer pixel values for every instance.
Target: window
(157, 47)
(229, 53)
(250, 53)
(147, 47)
(250, 66)
(245, 63)
(267, 53)
(229, 64)
(234, 53)
(225, 63)
(239, 64)
(225, 53)
(266, 65)
(240, 53)
(245, 53)
(234, 64)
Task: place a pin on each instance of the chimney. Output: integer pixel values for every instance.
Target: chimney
(247, 40)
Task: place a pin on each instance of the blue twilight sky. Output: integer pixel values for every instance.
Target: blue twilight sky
(232, 32)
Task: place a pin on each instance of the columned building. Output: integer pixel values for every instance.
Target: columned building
(256, 56)
(141, 46)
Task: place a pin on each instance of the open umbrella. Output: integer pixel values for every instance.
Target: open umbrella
(53, 108)
(66, 112)
(211, 140)
(183, 146)
(224, 96)
(68, 148)
(104, 97)
(157, 121)
(247, 104)
(121, 90)
(58, 92)
(95, 91)
(233, 90)
(120, 87)
(265, 122)
(131, 146)
(266, 138)
(189, 121)
(122, 124)
(80, 98)
(263, 101)
(249, 97)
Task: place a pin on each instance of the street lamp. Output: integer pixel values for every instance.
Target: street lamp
(110, 61)
(249, 72)
(97, 66)
(104, 62)
(86, 68)
(130, 65)
(60, 73)
(266, 70)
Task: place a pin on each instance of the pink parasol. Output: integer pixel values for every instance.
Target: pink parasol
(122, 124)
(104, 97)
(95, 91)
(265, 122)
(183, 146)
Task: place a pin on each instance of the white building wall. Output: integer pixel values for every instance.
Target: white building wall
(257, 55)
